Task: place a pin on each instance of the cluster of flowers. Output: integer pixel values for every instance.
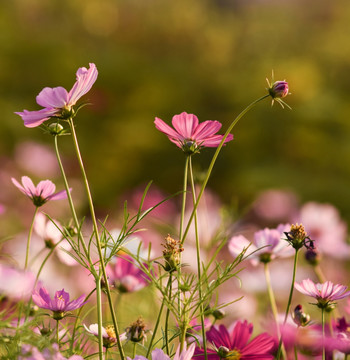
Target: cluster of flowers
(119, 262)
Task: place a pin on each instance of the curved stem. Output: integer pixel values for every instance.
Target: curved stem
(30, 237)
(97, 236)
(216, 154)
(199, 263)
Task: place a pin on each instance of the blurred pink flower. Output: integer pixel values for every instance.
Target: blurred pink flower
(269, 241)
(30, 352)
(158, 354)
(58, 102)
(59, 304)
(16, 284)
(125, 276)
(235, 344)
(323, 293)
(41, 193)
(51, 233)
(189, 135)
(324, 225)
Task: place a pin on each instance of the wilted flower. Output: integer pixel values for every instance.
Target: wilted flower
(108, 334)
(58, 102)
(268, 245)
(59, 305)
(41, 193)
(191, 136)
(234, 344)
(171, 253)
(124, 275)
(136, 332)
(324, 293)
(298, 237)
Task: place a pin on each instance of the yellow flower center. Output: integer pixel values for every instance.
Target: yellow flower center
(233, 355)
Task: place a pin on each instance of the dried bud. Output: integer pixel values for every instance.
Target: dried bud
(136, 332)
(298, 237)
(171, 253)
(299, 317)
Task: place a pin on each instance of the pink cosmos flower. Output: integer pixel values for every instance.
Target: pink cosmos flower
(59, 304)
(41, 193)
(191, 136)
(270, 242)
(323, 293)
(125, 275)
(234, 344)
(30, 352)
(58, 102)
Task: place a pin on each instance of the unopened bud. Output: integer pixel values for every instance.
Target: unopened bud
(56, 129)
(299, 317)
(218, 314)
(279, 89)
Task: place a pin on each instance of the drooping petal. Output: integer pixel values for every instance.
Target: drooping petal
(35, 118)
(85, 79)
(56, 97)
(185, 124)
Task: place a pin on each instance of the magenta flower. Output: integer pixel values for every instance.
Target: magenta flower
(58, 102)
(125, 276)
(324, 293)
(191, 136)
(59, 305)
(41, 193)
(234, 344)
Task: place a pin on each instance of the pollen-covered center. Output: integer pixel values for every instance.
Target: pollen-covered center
(233, 355)
(110, 331)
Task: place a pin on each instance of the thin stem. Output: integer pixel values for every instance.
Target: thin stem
(169, 285)
(184, 195)
(106, 354)
(155, 328)
(99, 316)
(30, 237)
(273, 304)
(134, 351)
(57, 337)
(289, 300)
(97, 236)
(216, 154)
(295, 352)
(323, 335)
(199, 262)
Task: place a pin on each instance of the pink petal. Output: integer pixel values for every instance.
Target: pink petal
(53, 97)
(326, 289)
(59, 195)
(241, 334)
(35, 118)
(259, 347)
(185, 124)
(215, 140)
(28, 186)
(238, 243)
(166, 129)
(206, 129)
(45, 189)
(19, 186)
(85, 79)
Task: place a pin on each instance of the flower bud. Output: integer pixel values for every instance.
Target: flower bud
(56, 129)
(218, 314)
(312, 256)
(136, 332)
(279, 89)
(299, 317)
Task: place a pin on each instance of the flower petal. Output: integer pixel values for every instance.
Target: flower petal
(185, 124)
(35, 118)
(206, 129)
(170, 132)
(52, 97)
(85, 79)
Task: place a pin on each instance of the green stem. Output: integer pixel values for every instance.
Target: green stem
(155, 328)
(169, 286)
(99, 316)
(57, 337)
(323, 335)
(97, 236)
(184, 195)
(199, 262)
(30, 237)
(295, 353)
(106, 354)
(216, 154)
(289, 300)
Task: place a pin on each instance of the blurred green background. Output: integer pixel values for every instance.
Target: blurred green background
(210, 58)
